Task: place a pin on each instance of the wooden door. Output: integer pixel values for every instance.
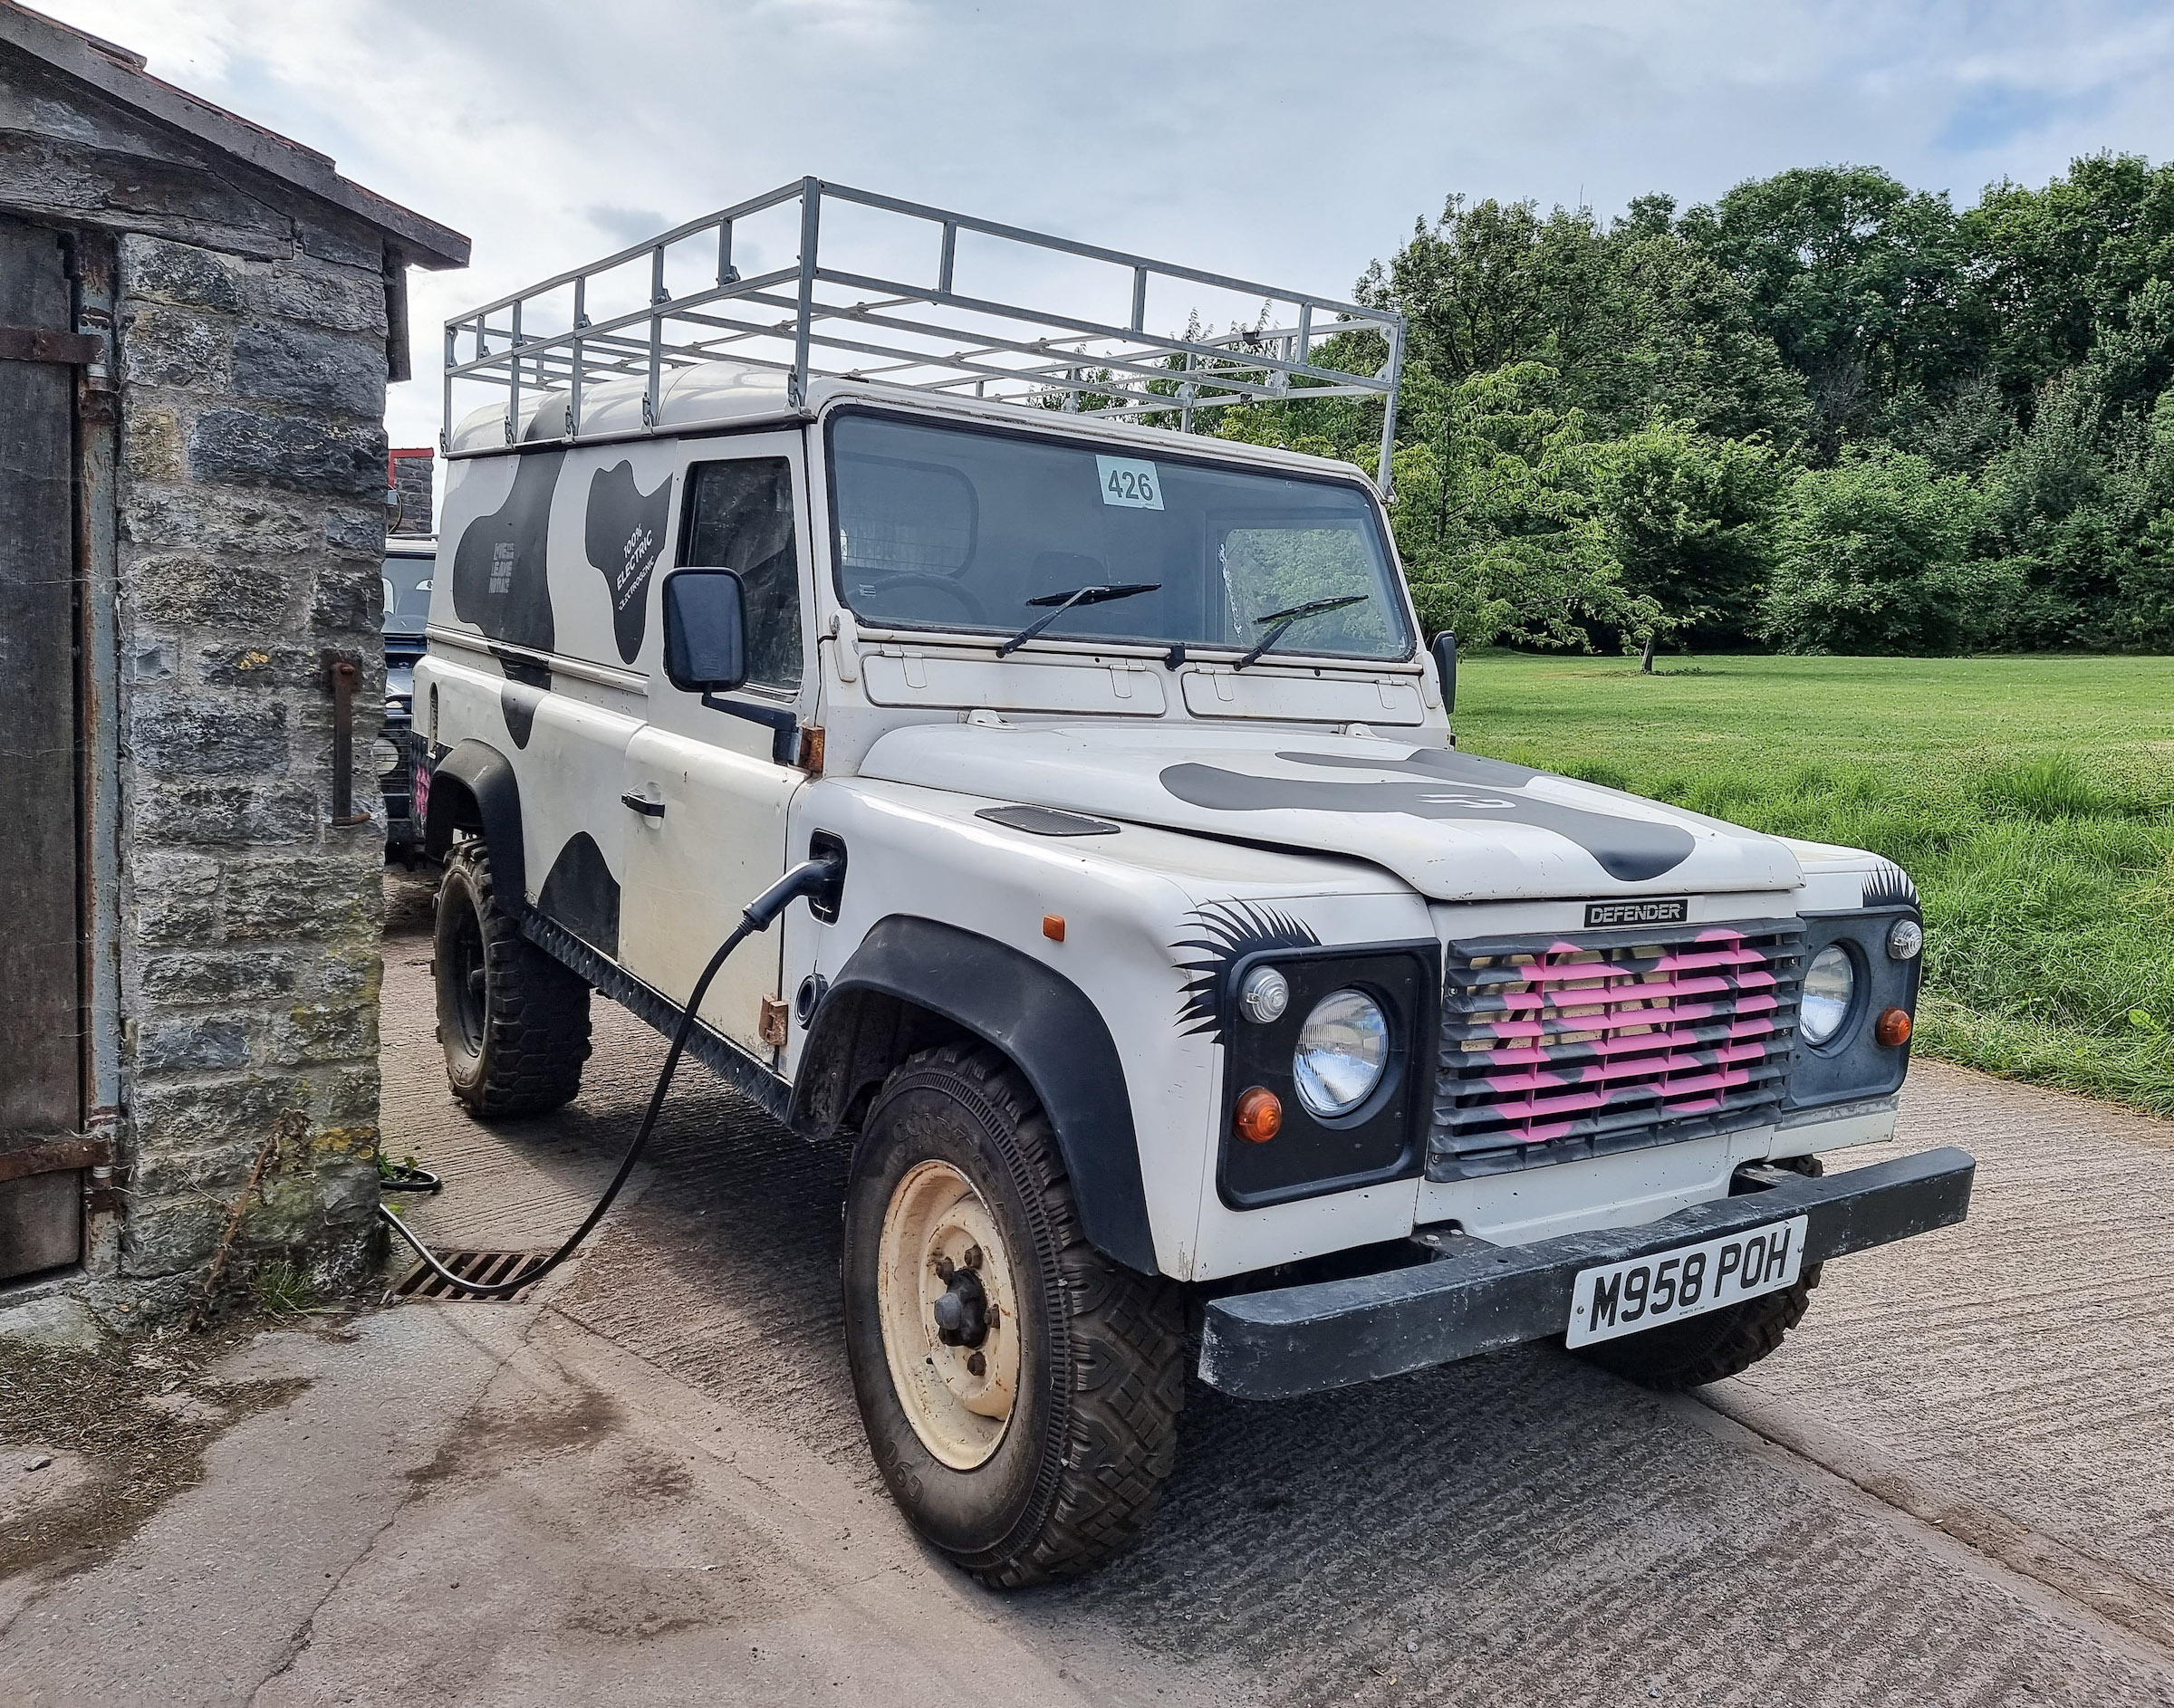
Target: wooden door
(41, 962)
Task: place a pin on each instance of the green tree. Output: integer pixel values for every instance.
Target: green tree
(2068, 507)
(1635, 322)
(2058, 266)
(1861, 283)
(1499, 515)
(1690, 518)
(1492, 284)
(1873, 556)
(1687, 345)
(2147, 603)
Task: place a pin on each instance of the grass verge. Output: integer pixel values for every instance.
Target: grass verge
(2032, 800)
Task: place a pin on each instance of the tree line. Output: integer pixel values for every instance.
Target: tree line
(1826, 413)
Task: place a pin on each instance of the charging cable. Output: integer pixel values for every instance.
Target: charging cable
(808, 877)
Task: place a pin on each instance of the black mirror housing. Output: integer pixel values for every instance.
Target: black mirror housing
(1445, 666)
(705, 631)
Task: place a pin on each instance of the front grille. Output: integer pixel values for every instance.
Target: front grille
(396, 753)
(1555, 1048)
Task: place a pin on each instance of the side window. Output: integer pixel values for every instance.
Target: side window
(739, 516)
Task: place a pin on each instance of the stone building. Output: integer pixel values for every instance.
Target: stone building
(197, 322)
(411, 495)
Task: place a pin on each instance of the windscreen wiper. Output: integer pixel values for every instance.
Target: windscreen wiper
(1096, 593)
(1290, 614)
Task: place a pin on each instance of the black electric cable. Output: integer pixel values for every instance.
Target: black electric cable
(806, 878)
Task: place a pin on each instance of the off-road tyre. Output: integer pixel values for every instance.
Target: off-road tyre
(1718, 1345)
(514, 1045)
(1092, 1430)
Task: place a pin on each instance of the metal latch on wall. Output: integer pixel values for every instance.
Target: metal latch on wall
(43, 344)
(342, 676)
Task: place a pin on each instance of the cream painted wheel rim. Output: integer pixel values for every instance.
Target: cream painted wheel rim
(937, 1220)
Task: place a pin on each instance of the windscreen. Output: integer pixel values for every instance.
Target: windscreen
(955, 528)
(408, 594)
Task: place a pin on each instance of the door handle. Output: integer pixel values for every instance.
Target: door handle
(647, 808)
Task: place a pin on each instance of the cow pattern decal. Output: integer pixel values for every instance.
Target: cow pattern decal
(501, 581)
(581, 895)
(1452, 785)
(624, 535)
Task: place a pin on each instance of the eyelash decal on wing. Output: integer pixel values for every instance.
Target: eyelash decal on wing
(1888, 885)
(1229, 931)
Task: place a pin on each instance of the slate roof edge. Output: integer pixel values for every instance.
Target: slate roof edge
(119, 74)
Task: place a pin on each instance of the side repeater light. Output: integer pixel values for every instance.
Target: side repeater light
(1259, 1116)
(1892, 1027)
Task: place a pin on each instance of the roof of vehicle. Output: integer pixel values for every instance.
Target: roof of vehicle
(721, 394)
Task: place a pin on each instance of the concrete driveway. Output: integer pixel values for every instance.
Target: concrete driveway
(1956, 1484)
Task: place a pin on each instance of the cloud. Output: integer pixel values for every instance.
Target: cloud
(1263, 139)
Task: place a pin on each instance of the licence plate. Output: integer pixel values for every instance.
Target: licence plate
(1688, 1280)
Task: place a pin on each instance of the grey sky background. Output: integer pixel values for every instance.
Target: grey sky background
(1272, 140)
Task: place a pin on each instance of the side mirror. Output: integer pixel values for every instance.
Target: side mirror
(1445, 666)
(705, 631)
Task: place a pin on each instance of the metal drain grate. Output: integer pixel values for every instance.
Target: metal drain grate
(486, 1269)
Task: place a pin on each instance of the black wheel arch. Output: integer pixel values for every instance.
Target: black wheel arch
(915, 982)
(473, 788)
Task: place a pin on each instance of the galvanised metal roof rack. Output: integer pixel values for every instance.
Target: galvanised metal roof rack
(681, 298)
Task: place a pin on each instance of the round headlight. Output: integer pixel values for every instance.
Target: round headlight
(1264, 994)
(1829, 984)
(1905, 937)
(1342, 1052)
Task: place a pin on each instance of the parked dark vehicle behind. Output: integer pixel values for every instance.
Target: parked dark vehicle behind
(410, 562)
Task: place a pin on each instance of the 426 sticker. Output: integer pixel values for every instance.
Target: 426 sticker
(1128, 483)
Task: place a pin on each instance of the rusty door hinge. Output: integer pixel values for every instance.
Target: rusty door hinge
(771, 1028)
(43, 344)
(342, 675)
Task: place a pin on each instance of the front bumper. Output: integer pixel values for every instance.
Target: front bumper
(1331, 1334)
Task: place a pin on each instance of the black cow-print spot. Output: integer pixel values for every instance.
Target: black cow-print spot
(1457, 787)
(518, 705)
(625, 538)
(526, 684)
(581, 895)
(501, 580)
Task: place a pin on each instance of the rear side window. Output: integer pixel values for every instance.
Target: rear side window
(739, 517)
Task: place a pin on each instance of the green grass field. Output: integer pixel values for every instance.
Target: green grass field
(2032, 798)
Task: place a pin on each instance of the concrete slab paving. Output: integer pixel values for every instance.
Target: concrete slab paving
(211, 1596)
(598, 1532)
(2021, 1366)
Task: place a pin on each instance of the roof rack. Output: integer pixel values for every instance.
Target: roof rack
(809, 319)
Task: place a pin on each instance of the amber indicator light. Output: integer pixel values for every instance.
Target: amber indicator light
(1259, 1116)
(1892, 1027)
(1053, 926)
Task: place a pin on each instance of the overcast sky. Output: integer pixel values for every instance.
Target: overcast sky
(1278, 142)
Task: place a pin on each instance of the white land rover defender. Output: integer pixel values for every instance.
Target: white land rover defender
(1191, 1002)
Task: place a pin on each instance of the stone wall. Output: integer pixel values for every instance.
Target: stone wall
(252, 499)
(413, 488)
